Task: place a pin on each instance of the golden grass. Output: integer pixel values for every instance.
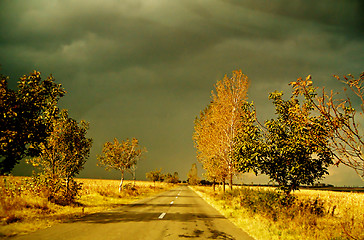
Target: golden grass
(23, 211)
(340, 215)
(345, 212)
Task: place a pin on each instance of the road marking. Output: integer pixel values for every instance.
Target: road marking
(171, 202)
(162, 215)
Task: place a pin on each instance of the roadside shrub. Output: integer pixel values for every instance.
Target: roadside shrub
(105, 191)
(315, 207)
(271, 204)
(16, 196)
(12, 218)
(306, 214)
(129, 187)
(56, 190)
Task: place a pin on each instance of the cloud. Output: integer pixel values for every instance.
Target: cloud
(337, 13)
(146, 68)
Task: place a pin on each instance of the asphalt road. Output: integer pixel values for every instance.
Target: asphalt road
(176, 214)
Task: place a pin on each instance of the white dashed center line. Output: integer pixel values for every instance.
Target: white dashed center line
(163, 214)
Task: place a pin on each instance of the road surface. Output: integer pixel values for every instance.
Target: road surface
(175, 214)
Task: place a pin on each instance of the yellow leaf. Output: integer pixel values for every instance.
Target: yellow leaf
(293, 83)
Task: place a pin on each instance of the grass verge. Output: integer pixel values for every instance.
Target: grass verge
(310, 214)
(23, 211)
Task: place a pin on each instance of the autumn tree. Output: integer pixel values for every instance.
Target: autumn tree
(121, 156)
(341, 118)
(63, 156)
(26, 117)
(175, 177)
(217, 127)
(155, 175)
(169, 178)
(208, 148)
(215, 172)
(295, 149)
(192, 176)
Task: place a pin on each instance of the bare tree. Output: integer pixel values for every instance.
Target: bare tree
(341, 118)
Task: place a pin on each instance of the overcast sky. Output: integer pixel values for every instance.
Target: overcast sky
(146, 68)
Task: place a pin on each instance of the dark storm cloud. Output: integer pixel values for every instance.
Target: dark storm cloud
(101, 36)
(335, 13)
(109, 36)
(146, 68)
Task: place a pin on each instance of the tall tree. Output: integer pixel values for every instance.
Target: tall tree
(207, 142)
(121, 156)
(295, 149)
(341, 118)
(63, 156)
(217, 128)
(26, 117)
(192, 176)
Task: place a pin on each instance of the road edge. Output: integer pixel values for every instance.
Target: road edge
(208, 200)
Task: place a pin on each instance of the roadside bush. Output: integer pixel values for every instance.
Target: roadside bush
(306, 214)
(129, 187)
(271, 204)
(16, 195)
(105, 191)
(56, 190)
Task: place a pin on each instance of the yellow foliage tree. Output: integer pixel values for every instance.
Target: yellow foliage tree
(207, 142)
(192, 175)
(218, 125)
(121, 156)
(62, 157)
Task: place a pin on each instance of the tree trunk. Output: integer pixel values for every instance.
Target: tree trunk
(134, 177)
(121, 181)
(213, 185)
(231, 181)
(67, 185)
(223, 185)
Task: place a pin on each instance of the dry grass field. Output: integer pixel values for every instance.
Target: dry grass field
(23, 210)
(314, 214)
